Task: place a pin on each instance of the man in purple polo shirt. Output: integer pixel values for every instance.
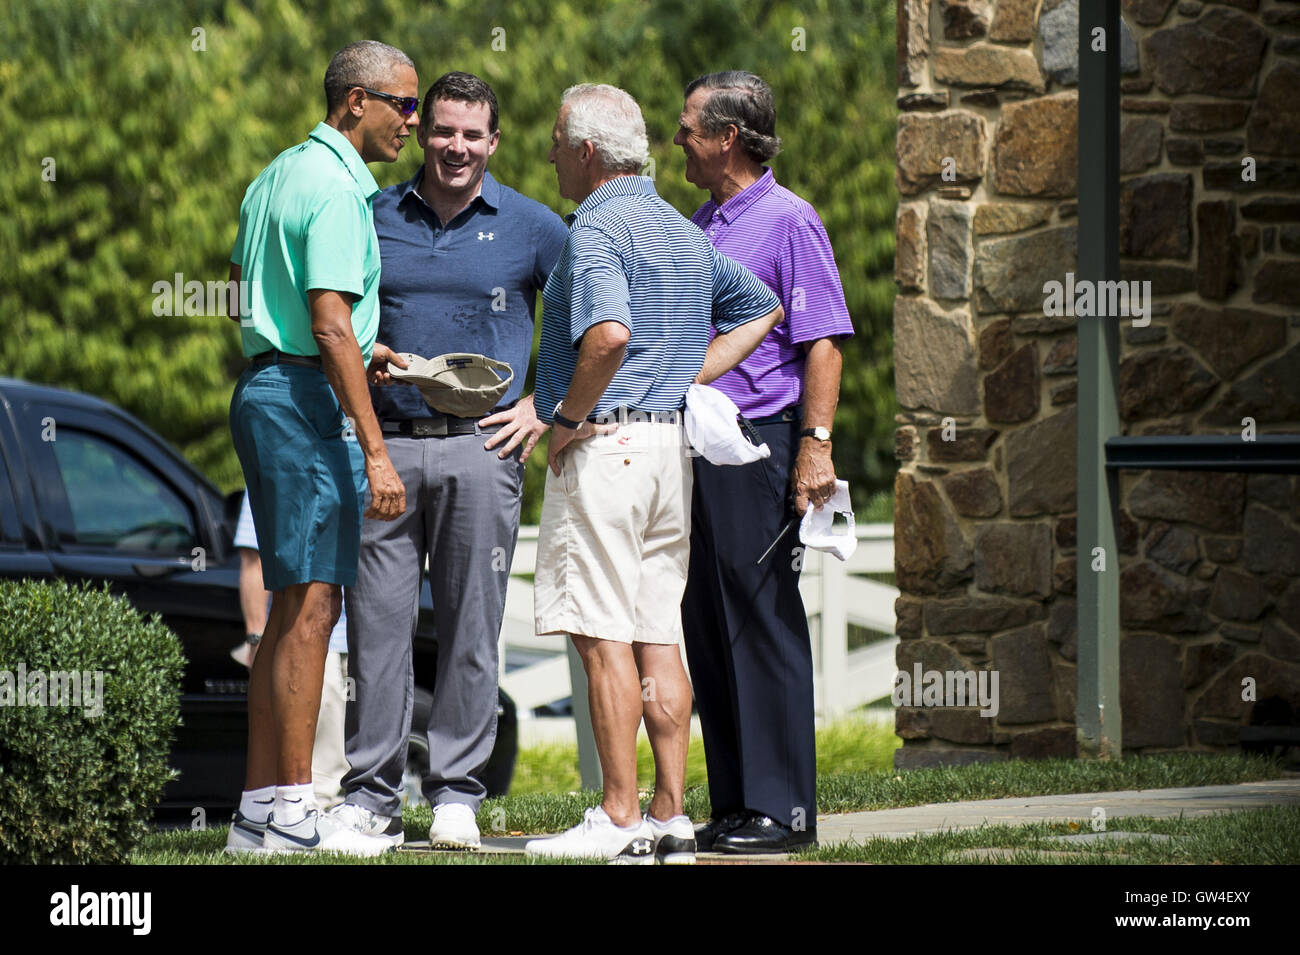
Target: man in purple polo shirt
(746, 632)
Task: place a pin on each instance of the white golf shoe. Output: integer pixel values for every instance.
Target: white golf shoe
(454, 827)
(368, 823)
(318, 833)
(596, 837)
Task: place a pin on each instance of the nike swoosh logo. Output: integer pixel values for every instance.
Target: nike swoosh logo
(296, 840)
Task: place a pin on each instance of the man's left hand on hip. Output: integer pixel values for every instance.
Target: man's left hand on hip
(518, 424)
(562, 437)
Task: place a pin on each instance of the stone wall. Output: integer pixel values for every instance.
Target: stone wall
(985, 496)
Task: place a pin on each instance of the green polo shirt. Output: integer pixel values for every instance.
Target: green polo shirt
(306, 223)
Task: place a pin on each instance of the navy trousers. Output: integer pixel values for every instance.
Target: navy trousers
(747, 639)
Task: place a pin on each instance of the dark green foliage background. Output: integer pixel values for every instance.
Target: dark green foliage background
(154, 143)
(75, 788)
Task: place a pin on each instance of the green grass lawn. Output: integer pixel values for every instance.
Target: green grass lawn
(848, 746)
(185, 847)
(1250, 837)
(876, 787)
(870, 788)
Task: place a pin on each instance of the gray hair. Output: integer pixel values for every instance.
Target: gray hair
(743, 100)
(611, 119)
(366, 63)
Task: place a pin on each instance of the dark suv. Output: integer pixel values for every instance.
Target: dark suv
(87, 492)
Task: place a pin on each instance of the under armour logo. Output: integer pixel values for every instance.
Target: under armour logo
(485, 235)
(642, 847)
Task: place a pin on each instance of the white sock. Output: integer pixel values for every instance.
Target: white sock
(255, 804)
(292, 803)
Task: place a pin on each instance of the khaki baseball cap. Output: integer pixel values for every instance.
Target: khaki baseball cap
(460, 384)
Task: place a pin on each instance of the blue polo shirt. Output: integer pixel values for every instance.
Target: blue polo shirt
(633, 259)
(467, 286)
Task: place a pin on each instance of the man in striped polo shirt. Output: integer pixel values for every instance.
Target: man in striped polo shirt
(625, 330)
(746, 630)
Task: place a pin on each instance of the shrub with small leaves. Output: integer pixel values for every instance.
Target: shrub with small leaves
(89, 703)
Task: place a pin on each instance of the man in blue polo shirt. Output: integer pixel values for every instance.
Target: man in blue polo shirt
(306, 437)
(624, 334)
(464, 258)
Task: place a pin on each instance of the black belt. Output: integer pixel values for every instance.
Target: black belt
(789, 414)
(623, 415)
(438, 426)
(274, 357)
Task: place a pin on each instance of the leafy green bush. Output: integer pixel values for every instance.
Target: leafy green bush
(83, 759)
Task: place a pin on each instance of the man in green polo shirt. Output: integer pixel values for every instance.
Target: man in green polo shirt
(303, 425)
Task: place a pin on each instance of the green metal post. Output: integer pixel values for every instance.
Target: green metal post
(1097, 712)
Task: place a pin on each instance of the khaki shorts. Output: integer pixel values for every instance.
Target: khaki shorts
(614, 542)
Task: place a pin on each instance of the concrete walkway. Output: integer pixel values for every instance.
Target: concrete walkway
(836, 829)
(1189, 801)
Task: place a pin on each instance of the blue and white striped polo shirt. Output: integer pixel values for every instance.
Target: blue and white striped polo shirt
(633, 259)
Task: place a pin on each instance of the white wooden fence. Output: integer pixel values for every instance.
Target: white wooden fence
(834, 594)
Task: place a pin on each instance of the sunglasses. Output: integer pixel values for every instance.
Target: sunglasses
(405, 104)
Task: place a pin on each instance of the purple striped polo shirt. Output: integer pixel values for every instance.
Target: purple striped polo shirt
(780, 238)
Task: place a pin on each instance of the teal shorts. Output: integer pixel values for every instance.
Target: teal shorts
(305, 474)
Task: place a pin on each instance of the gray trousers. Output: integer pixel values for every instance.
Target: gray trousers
(462, 510)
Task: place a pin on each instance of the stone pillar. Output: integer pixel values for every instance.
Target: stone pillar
(985, 495)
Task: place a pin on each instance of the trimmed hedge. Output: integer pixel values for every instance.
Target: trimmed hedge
(83, 759)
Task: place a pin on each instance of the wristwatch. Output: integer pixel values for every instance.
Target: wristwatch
(563, 421)
(820, 433)
(252, 639)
